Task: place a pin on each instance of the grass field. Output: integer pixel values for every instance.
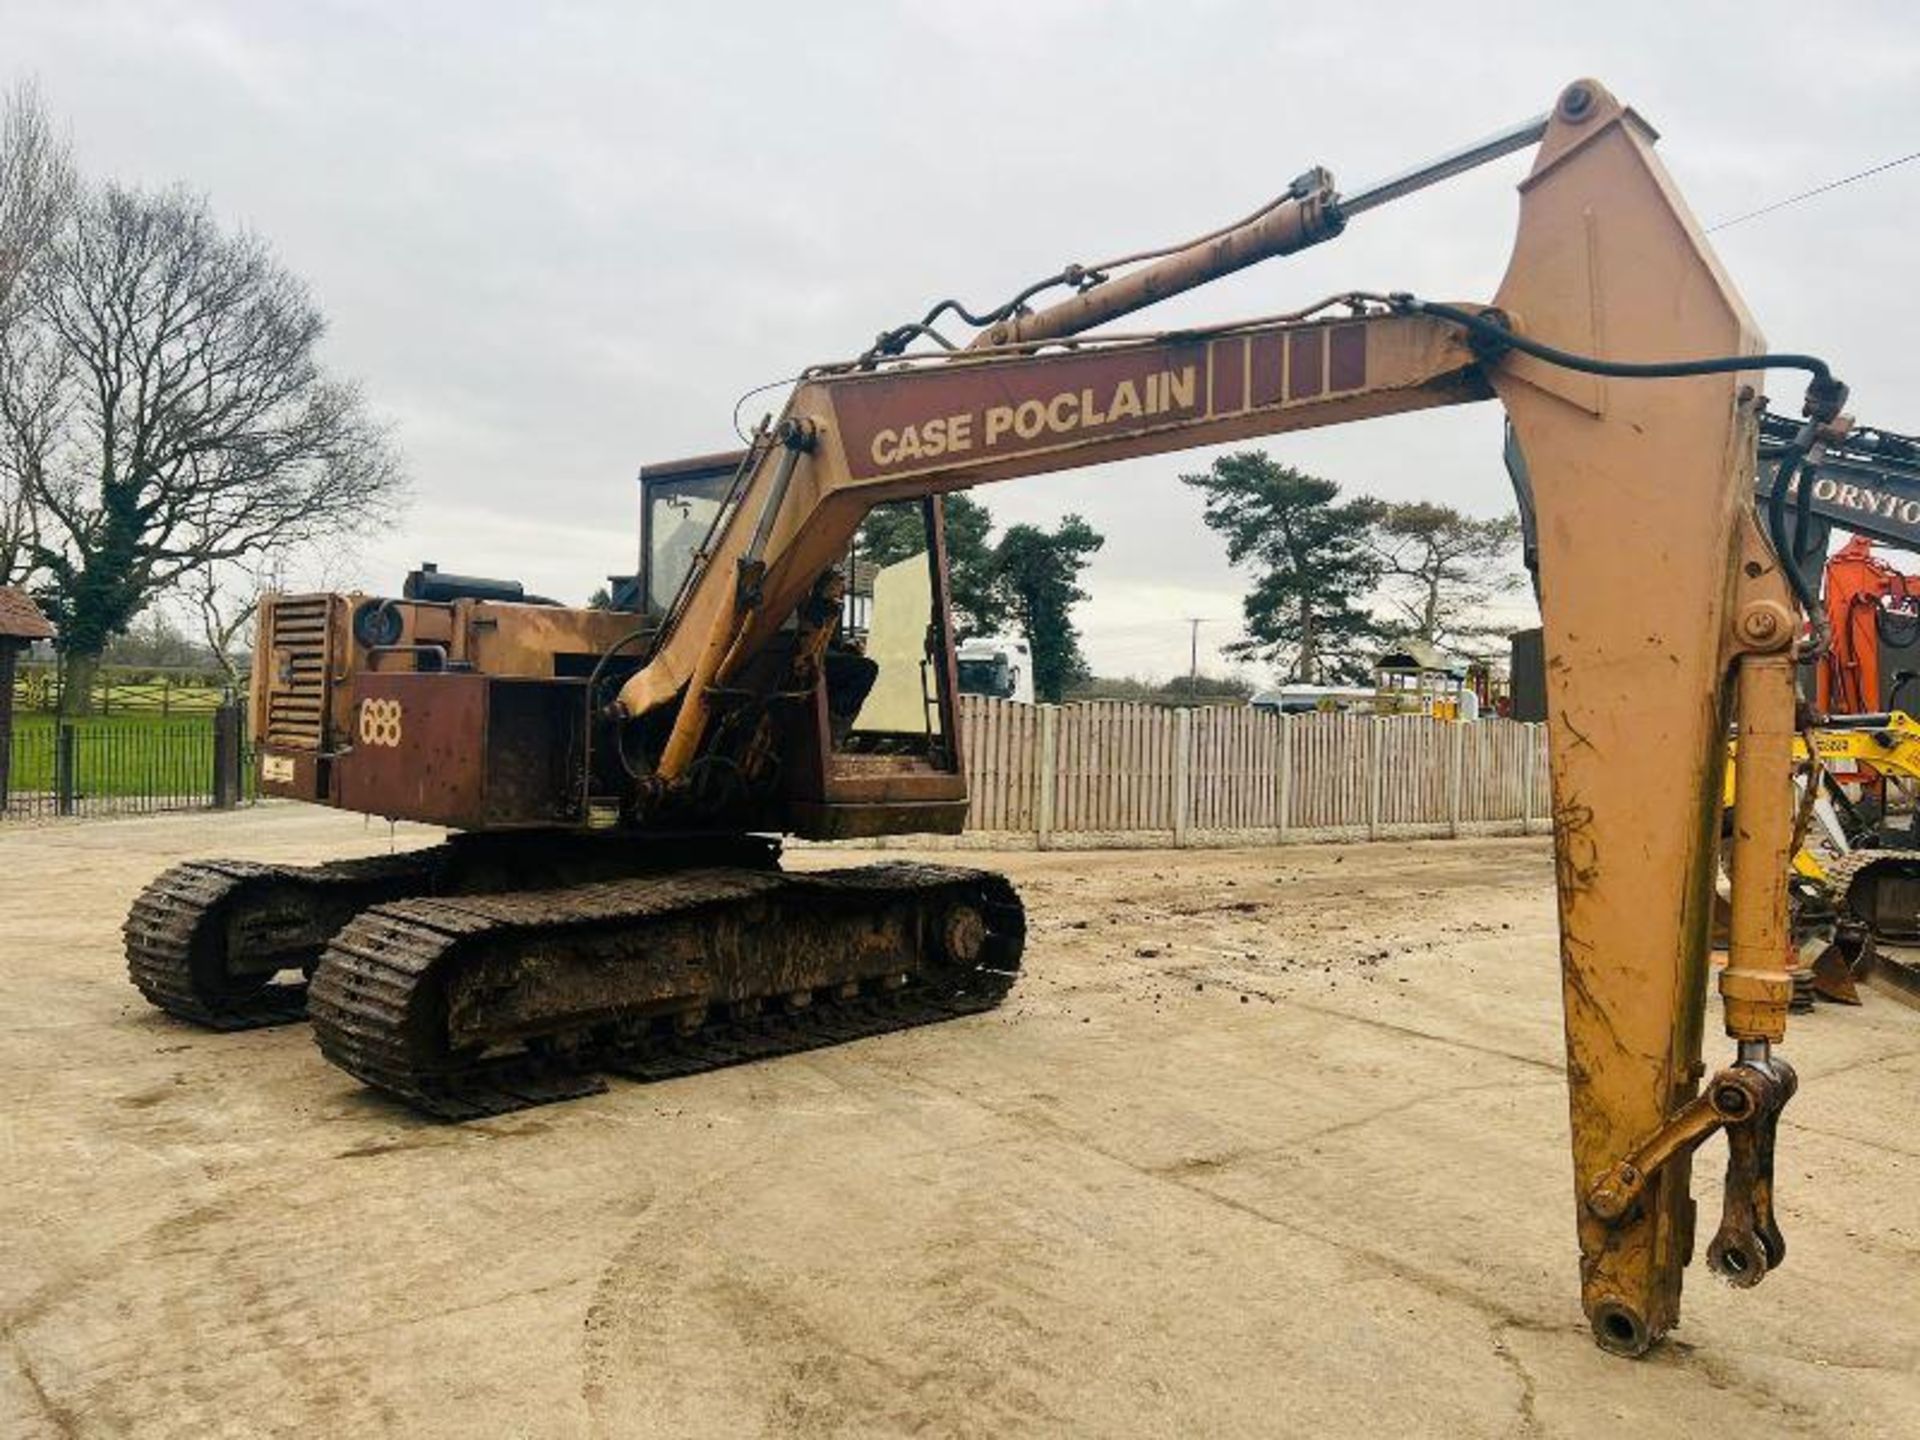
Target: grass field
(118, 692)
(117, 755)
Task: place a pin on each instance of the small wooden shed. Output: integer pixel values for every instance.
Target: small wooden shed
(21, 623)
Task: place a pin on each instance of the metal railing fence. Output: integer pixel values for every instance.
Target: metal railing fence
(121, 765)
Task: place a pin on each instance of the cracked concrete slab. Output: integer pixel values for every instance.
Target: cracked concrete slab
(1267, 1142)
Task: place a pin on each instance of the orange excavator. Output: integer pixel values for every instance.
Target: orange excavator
(1857, 886)
(1864, 594)
(1862, 757)
(612, 901)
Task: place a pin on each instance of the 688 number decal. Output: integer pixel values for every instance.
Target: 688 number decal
(379, 722)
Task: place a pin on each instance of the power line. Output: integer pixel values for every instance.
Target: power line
(1809, 194)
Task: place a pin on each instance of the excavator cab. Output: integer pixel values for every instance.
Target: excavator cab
(681, 504)
(871, 746)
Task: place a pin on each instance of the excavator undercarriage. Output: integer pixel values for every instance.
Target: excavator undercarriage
(471, 1006)
(211, 940)
(493, 972)
(231, 944)
(776, 670)
(1858, 874)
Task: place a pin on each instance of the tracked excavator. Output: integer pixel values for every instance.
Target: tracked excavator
(1856, 888)
(1858, 880)
(612, 901)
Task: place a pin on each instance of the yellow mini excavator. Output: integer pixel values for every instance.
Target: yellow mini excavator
(611, 900)
(1856, 872)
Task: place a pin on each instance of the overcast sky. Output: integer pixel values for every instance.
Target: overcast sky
(555, 247)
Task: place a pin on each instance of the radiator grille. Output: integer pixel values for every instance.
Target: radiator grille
(297, 689)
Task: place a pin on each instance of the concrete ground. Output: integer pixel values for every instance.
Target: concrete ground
(1265, 1143)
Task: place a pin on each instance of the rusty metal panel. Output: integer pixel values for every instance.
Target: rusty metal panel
(1305, 350)
(537, 641)
(1227, 380)
(463, 749)
(418, 748)
(1268, 366)
(890, 779)
(1347, 357)
(536, 734)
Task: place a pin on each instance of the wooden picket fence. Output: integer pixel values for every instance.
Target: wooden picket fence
(1121, 772)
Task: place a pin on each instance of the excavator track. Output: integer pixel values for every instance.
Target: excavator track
(470, 1006)
(1880, 890)
(206, 939)
(1841, 873)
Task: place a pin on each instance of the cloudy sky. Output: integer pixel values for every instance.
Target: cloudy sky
(557, 241)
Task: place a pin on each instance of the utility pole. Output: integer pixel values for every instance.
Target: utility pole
(1194, 622)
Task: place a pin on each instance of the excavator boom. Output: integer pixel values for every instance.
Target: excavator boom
(857, 438)
(1660, 601)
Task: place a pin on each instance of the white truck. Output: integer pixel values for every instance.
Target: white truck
(997, 665)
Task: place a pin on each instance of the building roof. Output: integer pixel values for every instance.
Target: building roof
(20, 618)
(1418, 655)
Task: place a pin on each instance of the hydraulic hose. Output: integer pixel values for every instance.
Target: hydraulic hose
(1494, 332)
(892, 342)
(1825, 396)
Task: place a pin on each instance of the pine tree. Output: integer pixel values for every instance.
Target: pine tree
(1312, 563)
(1443, 569)
(893, 531)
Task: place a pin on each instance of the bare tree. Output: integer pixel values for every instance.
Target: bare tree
(36, 190)
(155, 641)
(36, 184)
(225, 600)
(168, 415)
(22, 427)
(225, 597)
(1442, 569)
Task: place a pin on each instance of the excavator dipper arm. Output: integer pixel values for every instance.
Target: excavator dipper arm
(1664, 608)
